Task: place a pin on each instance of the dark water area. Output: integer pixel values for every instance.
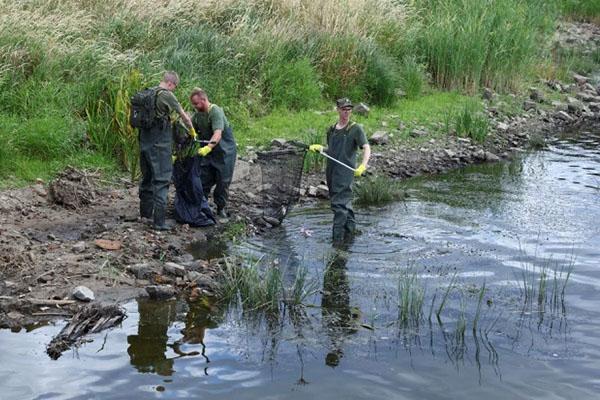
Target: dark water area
(508, 255)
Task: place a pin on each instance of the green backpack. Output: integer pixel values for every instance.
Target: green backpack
(143, 108)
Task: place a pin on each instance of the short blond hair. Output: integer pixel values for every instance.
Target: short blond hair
(198, 92)
(172, 77)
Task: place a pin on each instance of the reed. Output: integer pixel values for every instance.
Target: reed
(377, 191)
(411, 296)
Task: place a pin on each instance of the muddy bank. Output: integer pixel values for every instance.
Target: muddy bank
(78, 239)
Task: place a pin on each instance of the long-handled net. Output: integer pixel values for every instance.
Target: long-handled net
(281, 177)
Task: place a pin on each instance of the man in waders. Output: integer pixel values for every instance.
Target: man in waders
(219, 152)
(343, 140)
(155, 152)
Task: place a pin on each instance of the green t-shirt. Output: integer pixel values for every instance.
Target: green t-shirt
(342, 144)
(206, 123)
(166, 103)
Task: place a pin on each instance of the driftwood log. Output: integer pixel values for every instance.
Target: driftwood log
(90, 319)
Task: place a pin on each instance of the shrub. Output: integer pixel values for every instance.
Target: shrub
(377, 191)
(470, 122)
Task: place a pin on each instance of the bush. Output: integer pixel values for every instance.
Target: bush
(412, 77)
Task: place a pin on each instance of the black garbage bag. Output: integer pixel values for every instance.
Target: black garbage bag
(191, 206)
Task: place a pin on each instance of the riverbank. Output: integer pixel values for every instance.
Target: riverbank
(81, 231)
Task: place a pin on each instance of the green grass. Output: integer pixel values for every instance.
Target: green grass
(581, 10)
(67, 71)
(377, 191)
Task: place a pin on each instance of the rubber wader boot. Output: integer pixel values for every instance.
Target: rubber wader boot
(159, 221)
(222, 213)
(146, 208)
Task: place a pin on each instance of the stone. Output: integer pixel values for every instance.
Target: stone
(242, 172)
(491, 157)
(564, 116)
(479, 154)
(361, 109)
(78, 247)
(502, 126)
(379, 138)
(174, 269)
(536, 95)
(559, 106)
(418, 133)
(83, 293)
(160, 292)
(529, 105)
(312, 191)
(322, 191)
(580, 79)
(278, 142)
(141, 271)
(594, 107)
(449, 153)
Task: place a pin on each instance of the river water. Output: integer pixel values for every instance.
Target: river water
(505, 259)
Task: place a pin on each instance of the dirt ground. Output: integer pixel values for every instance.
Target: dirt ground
(80, 230)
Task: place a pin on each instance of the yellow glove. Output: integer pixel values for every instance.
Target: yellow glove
(360, 170)
(203, 151)
(317, 148)
(173, 158)
(193, 133)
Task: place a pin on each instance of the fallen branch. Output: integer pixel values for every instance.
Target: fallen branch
(91, 319)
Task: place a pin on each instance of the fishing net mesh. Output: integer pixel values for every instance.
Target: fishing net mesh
(281, 177)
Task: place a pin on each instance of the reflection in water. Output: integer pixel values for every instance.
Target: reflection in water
(147, 348)
(335, 303)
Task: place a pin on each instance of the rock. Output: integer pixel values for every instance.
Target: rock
(380, 138)
(78, 247)
(580, 79)
(418, 133)
(83, 293)
(40, 190)
(587, 97)
(479, 154)
(487, 94)
(536, 95)
(491, 157)
(594, 107)
(242, 172)
(464, 140)
(529, 105)
(141, 271)
(201, 280)
(502, 126)
(574, 106)
(322, 191)
(160, 292)
(559, 106)
(361, 109)
(278, 142)
(312, 191)
(174, 269)
(449, 153)
(564, 116)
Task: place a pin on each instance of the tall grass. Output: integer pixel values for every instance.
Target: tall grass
(581, 10)
(472, 43)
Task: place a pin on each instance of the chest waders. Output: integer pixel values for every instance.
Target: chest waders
(217, 167)
(156, 168)
(339, 182)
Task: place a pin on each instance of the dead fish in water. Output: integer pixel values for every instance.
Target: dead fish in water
(306, 232)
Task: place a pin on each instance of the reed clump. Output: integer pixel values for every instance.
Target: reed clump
(377, 191)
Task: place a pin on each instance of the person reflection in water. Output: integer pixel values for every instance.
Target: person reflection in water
(147, 349)
(335, 305)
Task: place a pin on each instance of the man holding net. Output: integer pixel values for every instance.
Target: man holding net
(343, 140)
(219, 151)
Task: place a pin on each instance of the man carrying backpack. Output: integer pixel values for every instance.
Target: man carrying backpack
(155, 138)
(219, 153)
(343, 140)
